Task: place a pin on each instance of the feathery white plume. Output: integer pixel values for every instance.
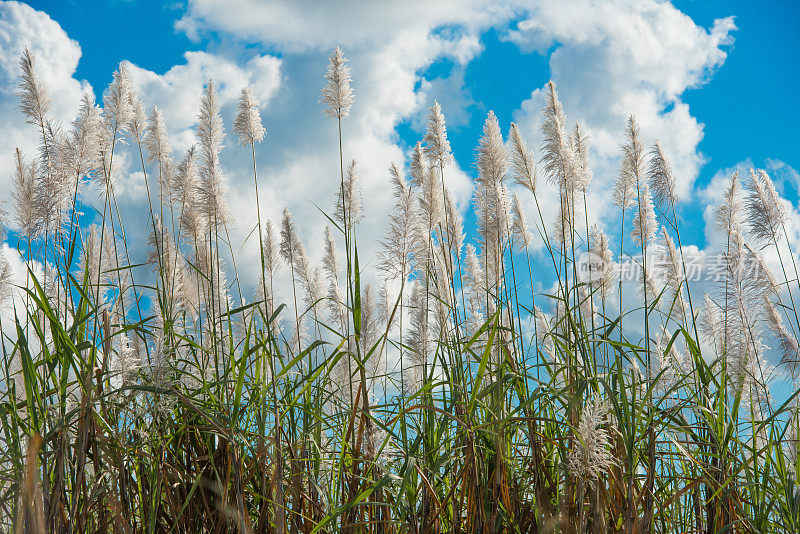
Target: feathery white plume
(34, 98)
(337, 95)
(519, 228)
(579, 142)
(645, 225)
(590, 455)
(348, 201)
(156, 141)
(727, 216)
(437, 147)
(5, 280)
(272, 256)
(247, 125)
(557, 155)
(417, 165)
(420, 341)
(660, 177)
(523, 168)
(630, 167)
(92, 264)
(117, 102)
(330, 260)
(602, 253)
(213, 186)
(671, 271)
(475, 283)
(711, 325)
(787, 343)
(765, 209)
(453, 238)
(136, 123)
(397, 246)
(24, 194)
(82, 145)
(492, 160)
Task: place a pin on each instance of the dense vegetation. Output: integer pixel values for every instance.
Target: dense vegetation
(452, 399)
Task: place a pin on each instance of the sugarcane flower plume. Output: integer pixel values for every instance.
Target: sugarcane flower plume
(337, 95)
(590, 455)
(437, 147)
(247, 125)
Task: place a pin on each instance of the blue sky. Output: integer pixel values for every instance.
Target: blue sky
(714, 81)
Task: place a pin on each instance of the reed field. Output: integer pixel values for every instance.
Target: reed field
(431, 389)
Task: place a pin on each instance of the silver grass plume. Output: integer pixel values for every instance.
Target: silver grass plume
(157, 142)
(337, 95)
(491, 159)
(671, 271)
(167, 261)
(631, 167)
(743, 297)
(557, 155)
(420, 341)
(453, 239)
(397, 246)
(272, 257)
(521, 237)
(765, 209)
(330, 262)
(92, 264)
(660, 177)
(136, 124)
(293, 251)
(348, 201)
(118, 109)
(544, 337)
(82, 144)
(431, 208)
(23, 195)
(128, 361)
(55, 184)
(475, 289)
(759, 275)
(184, 193)
(787, 343)
(579, 142)
(34, 98)
(213, 186)
(3, 223)
(492, 208)
(711, 324)
(5, 281)
(247, 125)
(727, 216)
(645, 225)
(441, 290)
(437, 147)
(590, 455)
(523, 168)
(603, 255)
(670, 362)
(567, 224)
(417, 165)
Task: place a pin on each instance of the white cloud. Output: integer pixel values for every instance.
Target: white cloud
(299, 26)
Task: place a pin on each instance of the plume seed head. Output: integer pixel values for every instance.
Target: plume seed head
(337, 95)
